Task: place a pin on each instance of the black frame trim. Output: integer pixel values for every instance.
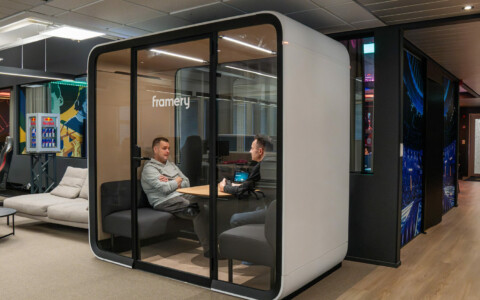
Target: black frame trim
(172, 37)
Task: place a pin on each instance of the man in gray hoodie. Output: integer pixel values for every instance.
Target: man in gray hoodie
(160, 181)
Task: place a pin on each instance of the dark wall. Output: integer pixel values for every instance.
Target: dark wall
(464, 136)
(433, 156)
(62, 56)
(374, 224)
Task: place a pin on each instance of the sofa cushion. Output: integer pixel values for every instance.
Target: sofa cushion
(75, 211)
(34, 204)
(84, 190)
(71, 183)
(150, 223)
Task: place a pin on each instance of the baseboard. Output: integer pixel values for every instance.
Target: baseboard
(374, 262)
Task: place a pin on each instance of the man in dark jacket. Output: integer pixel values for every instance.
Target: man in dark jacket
(257, 152)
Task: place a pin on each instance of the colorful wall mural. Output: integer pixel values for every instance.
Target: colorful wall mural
(413, 143)
(69, 99)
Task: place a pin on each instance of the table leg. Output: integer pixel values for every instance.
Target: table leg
(8, 220)
(13, 224)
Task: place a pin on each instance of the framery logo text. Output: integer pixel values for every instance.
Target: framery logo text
(184, 101)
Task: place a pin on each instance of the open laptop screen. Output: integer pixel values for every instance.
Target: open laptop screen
(240, 176)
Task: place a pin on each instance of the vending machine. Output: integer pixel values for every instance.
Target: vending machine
(43, 133)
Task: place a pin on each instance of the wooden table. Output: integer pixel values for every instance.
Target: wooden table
(202, 191)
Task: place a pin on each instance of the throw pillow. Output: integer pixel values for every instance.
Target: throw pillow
(71, 183)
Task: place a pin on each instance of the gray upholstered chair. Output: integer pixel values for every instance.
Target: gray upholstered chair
(254, 243)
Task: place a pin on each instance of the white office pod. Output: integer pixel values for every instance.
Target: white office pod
(218, 154)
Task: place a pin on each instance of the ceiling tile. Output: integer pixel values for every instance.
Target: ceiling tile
(119, 11)
(79, 20)
(169, 6)
(335, 29)
(325, 3)
(368, 24)
(351, 12)
(29, 2)
(207, 13)
(70, 4)
(317, 19)
(160, 23)
(127, 31)
(15, 5)
(47, 10)
(284, 7)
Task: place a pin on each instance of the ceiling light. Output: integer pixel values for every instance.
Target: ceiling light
(179, 55)
(468, 7)
(253, 72)
(72, 33)
(22, 23)
(1, 58)
(247, 45)
(32, 76)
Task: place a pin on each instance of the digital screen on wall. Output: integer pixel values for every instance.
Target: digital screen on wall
(413, 137)
(4, 114)
(450, 145)
(69, 99)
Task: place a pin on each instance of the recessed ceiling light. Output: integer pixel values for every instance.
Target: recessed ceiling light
(468, 7)
(72, 33)
(1, 58)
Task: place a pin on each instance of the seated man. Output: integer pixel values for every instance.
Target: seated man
(257, 151)
(160, 181)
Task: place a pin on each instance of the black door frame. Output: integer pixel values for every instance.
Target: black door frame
(170, 37)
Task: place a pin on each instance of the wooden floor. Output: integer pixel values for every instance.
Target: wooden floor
(442, 264)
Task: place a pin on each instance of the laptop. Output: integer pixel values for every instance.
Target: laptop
(240, 176)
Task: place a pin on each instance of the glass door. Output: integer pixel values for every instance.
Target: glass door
(247, 110)
(170, 157)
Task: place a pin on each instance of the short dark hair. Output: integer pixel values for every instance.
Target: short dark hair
(159, 139)
(263, 142)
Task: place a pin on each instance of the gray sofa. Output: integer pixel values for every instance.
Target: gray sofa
(67, 204)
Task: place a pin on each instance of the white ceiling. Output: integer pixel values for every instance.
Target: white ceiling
(129, 18)
(451, 46)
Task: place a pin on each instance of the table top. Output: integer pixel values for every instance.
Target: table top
(4, 211)
(201, 191)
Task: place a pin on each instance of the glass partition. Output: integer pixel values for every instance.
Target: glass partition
(112, 147)
(362, 87)
(172, 103)
(247, 160)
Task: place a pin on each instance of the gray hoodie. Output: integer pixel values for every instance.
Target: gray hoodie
(156, 190)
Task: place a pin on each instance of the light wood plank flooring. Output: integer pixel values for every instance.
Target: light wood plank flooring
(442, 264)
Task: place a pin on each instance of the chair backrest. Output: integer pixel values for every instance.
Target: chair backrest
(191, 159)
(5, 160)
(271, 224)
(116, 196)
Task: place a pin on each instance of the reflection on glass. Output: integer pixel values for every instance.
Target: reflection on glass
(247, 133)
(362, 73)
(112, 147)
(172, 103)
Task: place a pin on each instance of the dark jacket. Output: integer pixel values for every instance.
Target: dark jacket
(249, 184)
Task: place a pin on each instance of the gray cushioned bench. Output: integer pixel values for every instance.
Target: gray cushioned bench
(116, 213)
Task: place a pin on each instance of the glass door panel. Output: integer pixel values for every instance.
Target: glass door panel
(247, 160)
(172, 104)
(113, 146)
